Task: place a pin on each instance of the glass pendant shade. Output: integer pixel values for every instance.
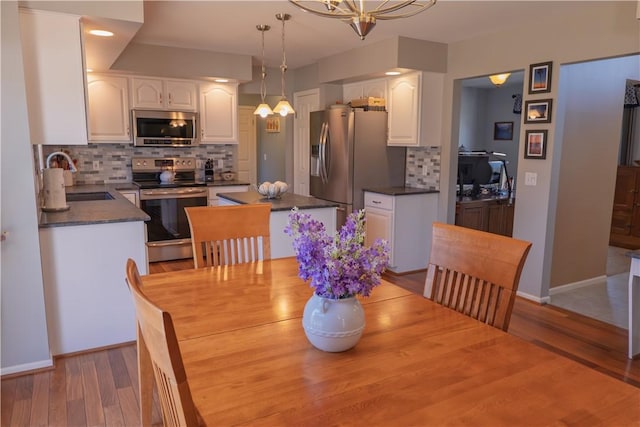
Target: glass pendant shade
(283, 108)
(263, 110)
(499, 79)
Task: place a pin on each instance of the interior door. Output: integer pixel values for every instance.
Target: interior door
(247, 166)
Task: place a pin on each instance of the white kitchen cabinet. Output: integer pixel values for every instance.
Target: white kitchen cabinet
(403, 105)
(160, 94)
(218, 113)
(54, 77)
(108, 112)
(212, 196)
(376, 88)
(404, 221)
(88, 303)
(415, 109)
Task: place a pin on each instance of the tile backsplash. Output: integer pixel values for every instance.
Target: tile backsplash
(423, 167)
(115, 159)
(422, 163)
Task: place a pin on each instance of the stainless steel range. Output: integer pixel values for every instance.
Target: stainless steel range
(167, 186)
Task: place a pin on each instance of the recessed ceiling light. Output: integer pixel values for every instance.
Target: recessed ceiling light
(222, 80)
(101, 33)
(393, 73)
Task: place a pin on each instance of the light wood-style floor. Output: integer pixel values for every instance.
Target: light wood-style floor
(100, 388)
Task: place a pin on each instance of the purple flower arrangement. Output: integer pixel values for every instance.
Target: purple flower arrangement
(341, 266)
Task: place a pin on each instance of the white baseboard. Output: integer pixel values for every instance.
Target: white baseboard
(543, 300)
(27, 367)
(576, 285)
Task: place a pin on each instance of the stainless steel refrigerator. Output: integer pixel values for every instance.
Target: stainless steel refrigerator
(348, 153)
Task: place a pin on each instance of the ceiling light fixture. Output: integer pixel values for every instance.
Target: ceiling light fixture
(283, 108)
(101, 33)
(392, 73)
(221, 80)
(361, 20)
(263, 110)
(499, 79)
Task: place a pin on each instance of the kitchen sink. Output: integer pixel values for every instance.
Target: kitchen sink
(86, 197)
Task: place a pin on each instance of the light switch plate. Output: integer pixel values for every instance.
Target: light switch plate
(220, 164)
(530, 178)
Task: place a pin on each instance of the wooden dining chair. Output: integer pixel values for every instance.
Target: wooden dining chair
(227, 235)
(157, 340)
(475, 272)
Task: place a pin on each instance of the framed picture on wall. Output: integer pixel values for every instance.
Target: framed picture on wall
(503, 131)
(536, 144)
(540, 77)
(273, 125)
(538, 111)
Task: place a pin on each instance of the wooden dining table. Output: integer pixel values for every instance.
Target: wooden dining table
(248, 361)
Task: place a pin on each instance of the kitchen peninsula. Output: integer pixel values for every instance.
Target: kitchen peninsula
(84, 250)
(281, 244)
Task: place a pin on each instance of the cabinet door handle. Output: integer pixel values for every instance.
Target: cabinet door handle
(376, 202)
(170, 98)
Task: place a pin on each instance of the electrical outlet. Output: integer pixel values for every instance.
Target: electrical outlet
(96, 165)
(424, 171)
(199, 164)
(220, 163)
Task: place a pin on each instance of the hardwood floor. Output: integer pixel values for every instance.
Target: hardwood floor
(100, 388)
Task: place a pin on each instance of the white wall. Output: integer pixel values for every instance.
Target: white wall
(25, 344)
(598, 30)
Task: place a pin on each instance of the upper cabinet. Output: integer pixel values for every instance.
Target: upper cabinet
(158, 94)
(54, 77)
(109, 119)
(376, 88)
(218, 113)
(403, 105)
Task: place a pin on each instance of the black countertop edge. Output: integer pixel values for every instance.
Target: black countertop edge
(120, 209)
(225, 183)
(285, 202)
(400, 191)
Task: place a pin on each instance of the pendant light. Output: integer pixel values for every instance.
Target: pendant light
(263, 110)
(283, 108)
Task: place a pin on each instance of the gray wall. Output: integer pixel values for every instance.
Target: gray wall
(25, 344)
(591, 107)
(598, 30)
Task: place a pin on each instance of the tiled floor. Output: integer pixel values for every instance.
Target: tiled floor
(606, 301)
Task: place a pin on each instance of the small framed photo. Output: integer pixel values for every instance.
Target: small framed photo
(538, 111)
(536, 144)
(503, 131)
(273, 125)
(540, 77)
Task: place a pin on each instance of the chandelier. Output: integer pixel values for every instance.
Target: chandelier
(263, 110)
(283, 107)
(361, 20)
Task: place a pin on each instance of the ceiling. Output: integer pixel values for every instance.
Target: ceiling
(230, 26)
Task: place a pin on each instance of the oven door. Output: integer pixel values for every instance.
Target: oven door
(168, 235)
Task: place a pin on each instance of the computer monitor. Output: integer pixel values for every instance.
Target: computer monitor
(474, 169)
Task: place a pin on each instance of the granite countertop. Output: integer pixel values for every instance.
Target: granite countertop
(119, 209)
(286, 202)
(400, 191)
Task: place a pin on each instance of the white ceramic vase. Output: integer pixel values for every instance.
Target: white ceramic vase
(333, 324)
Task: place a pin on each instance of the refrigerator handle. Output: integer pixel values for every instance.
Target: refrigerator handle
(323, 153)
(320, 157)
(323, 150)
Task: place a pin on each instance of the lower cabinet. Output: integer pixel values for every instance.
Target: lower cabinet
(404, 221)
(494, 216)
(212, 197)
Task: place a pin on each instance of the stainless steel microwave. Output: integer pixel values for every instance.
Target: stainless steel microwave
(164, 128)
